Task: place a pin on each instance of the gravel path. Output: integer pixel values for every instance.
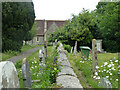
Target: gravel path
(23, 55)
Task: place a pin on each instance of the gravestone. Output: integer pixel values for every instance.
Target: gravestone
(8, 75)
(26, 74)
(104, 83)
(55, 60)
(45, 46)
(71, 50)
(94, 55)
(55, 42)
(75, 48)
(99, 45)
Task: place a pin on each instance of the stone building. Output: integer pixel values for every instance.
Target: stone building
(45, 27)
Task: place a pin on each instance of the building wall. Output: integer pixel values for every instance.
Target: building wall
(45, 27)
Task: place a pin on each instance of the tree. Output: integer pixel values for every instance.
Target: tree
(17, 21)
(80, 28)
(108, 23)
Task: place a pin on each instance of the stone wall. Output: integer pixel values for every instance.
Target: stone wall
(67, 78)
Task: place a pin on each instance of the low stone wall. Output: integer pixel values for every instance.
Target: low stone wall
(67, 78)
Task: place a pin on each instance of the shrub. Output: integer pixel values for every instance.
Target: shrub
(67, 47)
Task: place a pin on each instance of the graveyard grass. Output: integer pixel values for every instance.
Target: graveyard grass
(83, 69)
(8, 54)
(47, 78)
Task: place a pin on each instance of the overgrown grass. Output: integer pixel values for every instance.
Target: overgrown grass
(8, 54)
(84, 71)
(46, 76)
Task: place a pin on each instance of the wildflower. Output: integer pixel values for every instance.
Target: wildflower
(104, 70)
(94, 76)
(105, 63)
(110, 78)
(109, 65)
(116, 60)
(32, 67)
(98, 70)
(112, 68)
(107, 76)
(98, 77)
(32, 62)
(110, 73)
(20, 70)
(101, 71)
(97, 67)
(101, 65)
(116, 79)
(107, 71)
(35, 61)
(35, 66)
(110, 60)
(83, 62)
(37, 75)
(34, 57)
(80, 61)
(112, 64)
(96, 73)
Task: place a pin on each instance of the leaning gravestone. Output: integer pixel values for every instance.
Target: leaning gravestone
(26, 74)
(75, 48)
(104, 83)
(71, 50)
(8, 75)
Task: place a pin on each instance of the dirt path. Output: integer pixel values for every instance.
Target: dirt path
(23, 55)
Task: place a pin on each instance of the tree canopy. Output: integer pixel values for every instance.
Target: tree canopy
(17, 21)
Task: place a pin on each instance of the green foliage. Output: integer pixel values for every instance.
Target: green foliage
(108, 22)
(85, 67)
(80, 28)
(17, 21)
(67, 47)
(30, 34)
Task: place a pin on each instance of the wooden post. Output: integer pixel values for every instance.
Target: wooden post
(94, 55)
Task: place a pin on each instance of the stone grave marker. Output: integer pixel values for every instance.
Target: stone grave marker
(8, 75)
(99, 45)
(55, 60)
(104, 83)
(45, 46)
(26, 74)
(75, 48)
(94, 55)
(71, 50)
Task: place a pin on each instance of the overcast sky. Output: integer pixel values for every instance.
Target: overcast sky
(61, 9)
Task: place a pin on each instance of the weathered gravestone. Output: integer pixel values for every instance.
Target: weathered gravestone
(94, 55)
(26, 74)
(75, 48)
(45, 46)
(104, 83)
(99, 45)
(8, 75)
(71, 50)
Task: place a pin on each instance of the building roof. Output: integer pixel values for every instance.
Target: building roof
(40, 25)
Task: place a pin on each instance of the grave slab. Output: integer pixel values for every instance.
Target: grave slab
(68, 81)
(67, 71)
(8, 75)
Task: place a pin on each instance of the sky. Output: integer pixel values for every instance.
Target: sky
(61, 9)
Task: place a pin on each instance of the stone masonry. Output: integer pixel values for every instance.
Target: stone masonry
(67, 78)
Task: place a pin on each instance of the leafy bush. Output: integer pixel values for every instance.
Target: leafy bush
(67, 47)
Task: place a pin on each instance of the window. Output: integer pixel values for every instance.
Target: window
(37, 38)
